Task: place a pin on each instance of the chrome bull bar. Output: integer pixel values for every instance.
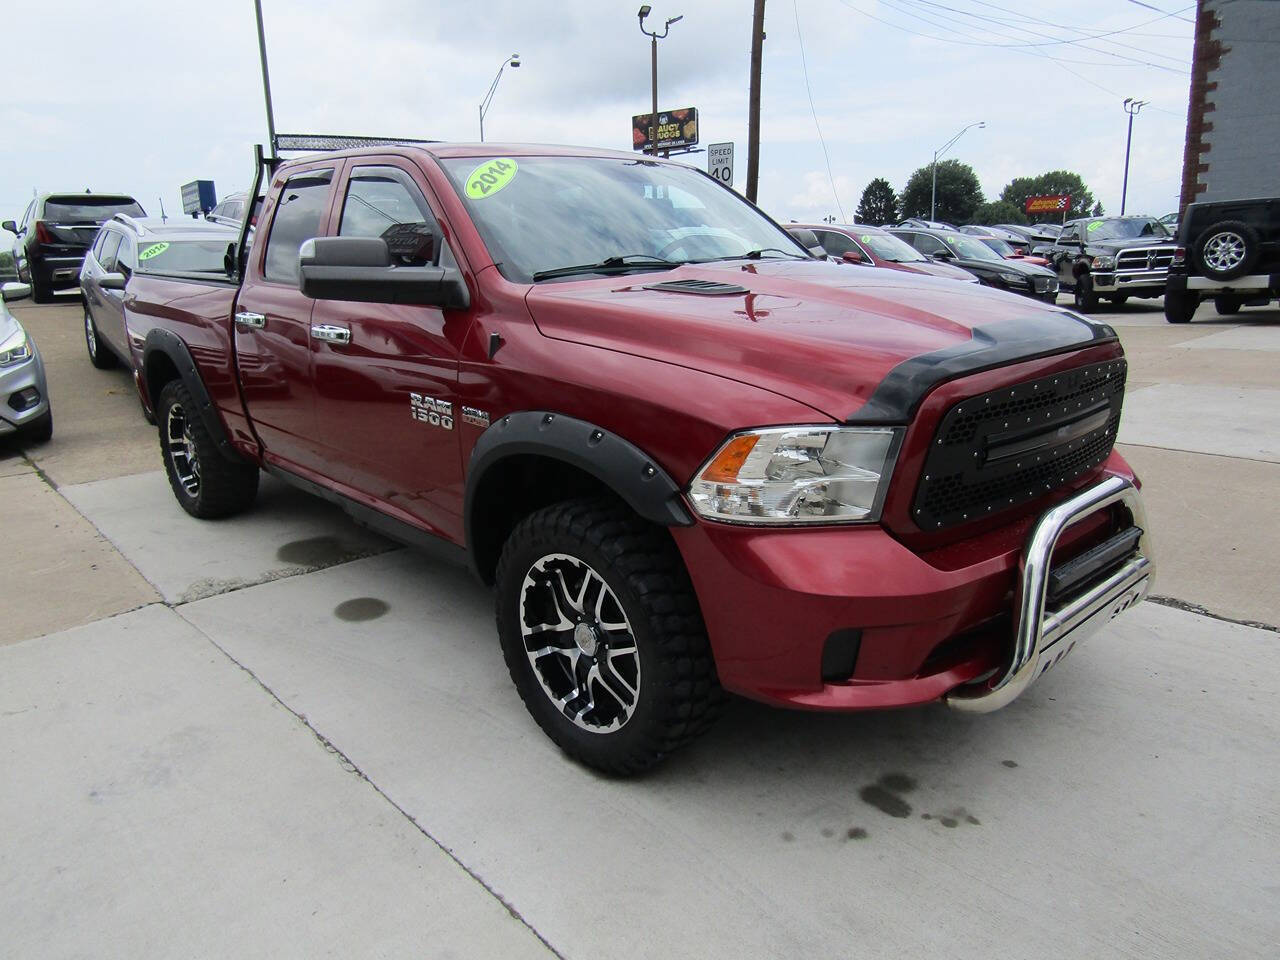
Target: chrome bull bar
(1043, 636)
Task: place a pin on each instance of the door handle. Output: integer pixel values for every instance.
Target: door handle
(330, 333)
(246, 319)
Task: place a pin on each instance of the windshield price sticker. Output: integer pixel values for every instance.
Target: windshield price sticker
(490, 177)
(153, 251)
(866, 238)
(1094, 226)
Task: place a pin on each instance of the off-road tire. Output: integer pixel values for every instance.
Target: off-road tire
(39, 430)
(1227, 250)
(223, 487)
(1086, 301)
(1227, 306)
(679, 694)
(1180, 306)
(100, 354)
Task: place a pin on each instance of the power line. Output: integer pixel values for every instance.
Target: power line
(1167, 13)
(809, 90)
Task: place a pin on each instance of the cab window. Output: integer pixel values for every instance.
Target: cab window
(303, 200)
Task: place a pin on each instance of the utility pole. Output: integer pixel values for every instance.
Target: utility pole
(645, 10)
(1131, 107)
(753, 104)
(266, 78)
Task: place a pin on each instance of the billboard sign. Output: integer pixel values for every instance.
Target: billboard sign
(1058, 203)
(676, 129)
(198, 197)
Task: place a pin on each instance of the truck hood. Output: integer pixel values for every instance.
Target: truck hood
(862, 345)
(1130, 242)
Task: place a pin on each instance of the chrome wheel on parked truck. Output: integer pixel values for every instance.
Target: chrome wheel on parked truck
(602, 635)
(205, 481)
(101, 358)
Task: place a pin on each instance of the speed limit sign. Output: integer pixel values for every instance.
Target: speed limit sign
(720, 162)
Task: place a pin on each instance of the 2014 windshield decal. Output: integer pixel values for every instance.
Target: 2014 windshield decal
(153, 251)
(490, 177)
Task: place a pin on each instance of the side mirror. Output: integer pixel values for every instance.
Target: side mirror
(852, 256)
(10, 226)
(360, 269)
(806, 238)
(16, 291)
(112, 281)
(943, 254)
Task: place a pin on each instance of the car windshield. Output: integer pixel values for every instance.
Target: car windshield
(538, 214)
(888, 247)
(1125, 229)
(89, 209)
(1000, 246)
(971, 248)
(182, 256)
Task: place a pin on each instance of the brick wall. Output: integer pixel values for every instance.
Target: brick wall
(1233, 117)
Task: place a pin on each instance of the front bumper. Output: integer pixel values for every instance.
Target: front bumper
(969, 624)
(1149, 283)
(15, 384)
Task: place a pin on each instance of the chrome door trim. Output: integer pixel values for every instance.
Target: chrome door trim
(331, 333)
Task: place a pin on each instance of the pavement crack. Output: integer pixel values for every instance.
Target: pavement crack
(353, 768)
(1204, 612)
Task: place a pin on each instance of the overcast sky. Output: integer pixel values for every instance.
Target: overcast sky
(145, 95)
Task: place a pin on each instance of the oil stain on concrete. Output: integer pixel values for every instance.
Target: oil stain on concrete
(886, 794)
(361, 608)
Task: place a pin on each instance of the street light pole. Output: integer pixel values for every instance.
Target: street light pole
(645, 10)
(1132, 108)
(514, 61)
(933, 193)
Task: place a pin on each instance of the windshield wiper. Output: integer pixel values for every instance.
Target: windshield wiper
(756, 255)
(618, 264)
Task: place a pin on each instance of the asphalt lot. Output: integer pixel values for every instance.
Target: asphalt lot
(280, 735)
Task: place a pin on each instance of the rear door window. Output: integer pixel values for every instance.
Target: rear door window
(303, 201)
(836, 244)
(86, 208)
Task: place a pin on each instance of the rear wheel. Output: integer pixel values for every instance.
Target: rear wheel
(602, 635)
(1180, 306)
(1226, 306)
(41, 290)
(1119, 299)
(206, 483)
(99, 356)
(1085, 299)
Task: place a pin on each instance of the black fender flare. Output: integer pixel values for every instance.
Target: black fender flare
(168, 343)
(618, 463)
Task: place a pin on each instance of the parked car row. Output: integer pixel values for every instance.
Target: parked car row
(939, 252)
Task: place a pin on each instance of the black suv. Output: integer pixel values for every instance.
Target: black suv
(1234, 248)
(962, 250)
(55, 232)
(1112, 257)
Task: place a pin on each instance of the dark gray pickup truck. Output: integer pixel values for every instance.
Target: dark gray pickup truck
(1112, 257)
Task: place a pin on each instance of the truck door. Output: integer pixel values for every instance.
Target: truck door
(273, 321)
(1065, 250)
(386, 375)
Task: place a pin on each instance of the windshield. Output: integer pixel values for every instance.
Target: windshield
(182, 256)
(888, 247)
(538, 214)
(1125, 229)
(970, 248)
(89, 209)
(1000, 246)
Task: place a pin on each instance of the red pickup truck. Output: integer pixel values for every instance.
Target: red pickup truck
(690, 457)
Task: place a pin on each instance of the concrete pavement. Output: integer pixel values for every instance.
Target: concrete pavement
(311, 746)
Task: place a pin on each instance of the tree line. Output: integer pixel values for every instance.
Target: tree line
(960, 198)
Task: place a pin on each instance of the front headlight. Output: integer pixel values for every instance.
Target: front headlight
(1014, 279)
(798, 475)
(1104, 263)
(15, 349)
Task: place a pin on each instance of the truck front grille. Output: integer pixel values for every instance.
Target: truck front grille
(1004, 448)
(1142, 259)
